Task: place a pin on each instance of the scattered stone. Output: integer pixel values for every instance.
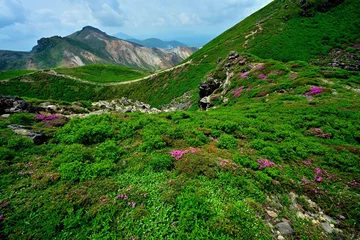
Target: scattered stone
(311, 203)
(327, 227)
(5, 115)
(315, 221)
(285, 228)
(329, 219)
(37, 136)
(272, 214)
(280, 238)
(300, 215)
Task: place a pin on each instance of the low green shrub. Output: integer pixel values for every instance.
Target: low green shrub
(227, 142)
(161, 162)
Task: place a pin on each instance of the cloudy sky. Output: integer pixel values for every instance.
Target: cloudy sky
(23, 22)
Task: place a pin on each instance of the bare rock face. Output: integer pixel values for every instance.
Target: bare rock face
(205, 90)
(15, 105)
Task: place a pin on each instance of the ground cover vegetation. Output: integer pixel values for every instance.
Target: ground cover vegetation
(103, 73)
(282, 136)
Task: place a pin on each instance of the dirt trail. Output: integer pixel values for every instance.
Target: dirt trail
(54, 73)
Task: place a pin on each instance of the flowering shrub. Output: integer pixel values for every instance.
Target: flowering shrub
(245, 75)
(236, 93)
(264, 163)
(52, 120)
(178, 154)
(314, 91)
(262, 77)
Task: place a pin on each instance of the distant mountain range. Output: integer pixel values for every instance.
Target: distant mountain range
(90, 46)
(157, 43)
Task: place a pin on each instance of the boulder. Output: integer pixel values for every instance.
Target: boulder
(285, 228)
(37, 136)
(10, 104)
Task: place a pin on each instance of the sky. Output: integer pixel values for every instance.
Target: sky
(194, 22)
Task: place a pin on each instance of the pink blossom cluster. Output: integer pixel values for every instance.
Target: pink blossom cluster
(264, 163)
(262, 77)
(122, 196)
(318, 132)
(245, 75)
(236, 93)
(226, 163)
(178, 154)
(314, 91)
(292, 76)
(319, 173)
(308, 162)
(46, 118)
(353, 183)
(259, 67)
(132, 204)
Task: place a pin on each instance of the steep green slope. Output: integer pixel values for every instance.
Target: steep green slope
(284, 31)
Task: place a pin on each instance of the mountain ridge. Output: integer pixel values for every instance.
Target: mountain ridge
(91, 46)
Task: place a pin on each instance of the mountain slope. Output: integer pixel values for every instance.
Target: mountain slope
(288, 30)
(157, 43)
(90, 46)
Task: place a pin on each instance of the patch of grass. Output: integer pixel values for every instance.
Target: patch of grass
(104, 73)
(9, 74)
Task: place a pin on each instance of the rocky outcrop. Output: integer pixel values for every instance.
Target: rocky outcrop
(209, 87)
(15, 105)
(205, 90)
(179, 104)
(124, 105)
(37, 136)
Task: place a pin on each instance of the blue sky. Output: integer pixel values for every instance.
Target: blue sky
(23, 22)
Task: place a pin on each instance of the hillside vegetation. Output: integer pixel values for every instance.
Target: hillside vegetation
(276, 156)
(103, 73)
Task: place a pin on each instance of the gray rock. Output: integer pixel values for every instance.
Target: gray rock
(329, 219)
(327, 227)
(37, 136)
(5, 115)
(15, 105)
(285, 228)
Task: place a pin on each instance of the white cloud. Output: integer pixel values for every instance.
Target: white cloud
(24, 21)
(11, 11)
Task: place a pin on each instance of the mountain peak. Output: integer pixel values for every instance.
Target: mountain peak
(91, 28)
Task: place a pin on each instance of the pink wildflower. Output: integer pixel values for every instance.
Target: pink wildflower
(314, 91)
(264, 163)
(262, 77)
(245, 75)
(308, 162)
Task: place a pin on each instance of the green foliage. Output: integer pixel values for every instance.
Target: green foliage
(161, 162)
(19, 143)
(227, 142)
(26, 119)
(103, 73)
(9, 74)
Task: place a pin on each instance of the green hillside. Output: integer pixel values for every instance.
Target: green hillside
(275, 156)
(284, 31)
(103, 73)
(13, 74)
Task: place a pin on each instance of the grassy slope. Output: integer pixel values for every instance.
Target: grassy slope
(71, 187)
(103, 73)
(13, 74)
(286, 35)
